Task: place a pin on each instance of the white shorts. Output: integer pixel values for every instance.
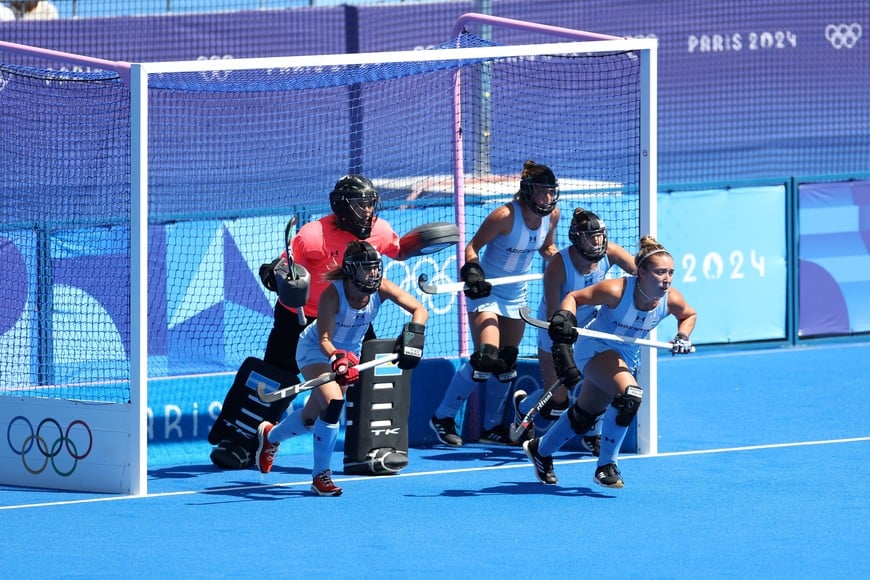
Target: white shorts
(587, 347)
(506, 300)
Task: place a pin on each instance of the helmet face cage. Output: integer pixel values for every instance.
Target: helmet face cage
(355, 203)
(528, 189)
(585, 228)
(364, 269)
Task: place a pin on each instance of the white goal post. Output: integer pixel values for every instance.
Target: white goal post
(139, 78)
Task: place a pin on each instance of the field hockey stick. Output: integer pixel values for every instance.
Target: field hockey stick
(526, 314)
(517, 430)
(460, 286)
(292, 390)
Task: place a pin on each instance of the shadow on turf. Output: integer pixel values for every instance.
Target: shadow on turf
(495, 454)
(189, 471)
(522, 488)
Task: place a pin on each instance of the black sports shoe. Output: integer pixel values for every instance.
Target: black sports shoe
(592, 444)
(445, 429)
(543, 464)
(498, 435)
(528, 432)
(608, 476)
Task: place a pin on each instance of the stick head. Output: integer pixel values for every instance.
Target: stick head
(428, 239)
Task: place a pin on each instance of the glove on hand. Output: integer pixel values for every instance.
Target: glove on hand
(566, 368)
(344, 366)
(681, 344)
(476, 285)
(409, 345)
(561, 328)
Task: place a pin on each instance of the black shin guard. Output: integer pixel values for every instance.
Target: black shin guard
(580, 420)
(627, 405)
(332, 413)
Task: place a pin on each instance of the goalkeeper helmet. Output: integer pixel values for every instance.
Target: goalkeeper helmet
(539, 188)
(363, 266)
(354, 201)
(588, 234)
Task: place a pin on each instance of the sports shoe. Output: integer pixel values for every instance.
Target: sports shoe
(445, 429)
(323, 486)
(528, 432)
(592, 444)
(498, 435)
(543, 464)
(608, 476)
(265, 450)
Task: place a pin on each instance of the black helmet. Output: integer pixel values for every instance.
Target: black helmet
(363, 266)
(354, 202)
(541, 177)
(584, 226)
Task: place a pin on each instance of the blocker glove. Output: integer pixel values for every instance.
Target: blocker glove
(344, 366)
(681, 344)
(561, 328)
(476, 285)
(409, 345)
(566, 368)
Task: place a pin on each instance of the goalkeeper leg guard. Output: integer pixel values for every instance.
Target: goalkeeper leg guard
(228, 454)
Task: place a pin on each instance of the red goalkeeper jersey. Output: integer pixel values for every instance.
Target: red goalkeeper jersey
(320, 245)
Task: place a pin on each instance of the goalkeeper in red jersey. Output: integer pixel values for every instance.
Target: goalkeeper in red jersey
(318, 246)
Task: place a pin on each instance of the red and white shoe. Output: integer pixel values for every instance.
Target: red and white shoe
(265, 450)
(323, 486)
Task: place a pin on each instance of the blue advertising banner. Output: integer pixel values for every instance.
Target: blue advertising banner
(834, 240)
(729, 248)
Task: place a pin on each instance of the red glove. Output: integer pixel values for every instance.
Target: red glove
(344, 366)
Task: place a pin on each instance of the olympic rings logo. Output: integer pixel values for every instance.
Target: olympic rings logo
(840, 35)
(31, 445)
(407, 276)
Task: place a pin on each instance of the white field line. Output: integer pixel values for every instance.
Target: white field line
(523, 465)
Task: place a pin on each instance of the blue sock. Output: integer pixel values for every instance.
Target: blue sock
(612, 436)
(560, 433)
(496, 396)
(325, 436)
(459, 389)
(290, 426)
(529, 402)
(596, 429)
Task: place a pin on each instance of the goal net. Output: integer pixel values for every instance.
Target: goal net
(167, 185)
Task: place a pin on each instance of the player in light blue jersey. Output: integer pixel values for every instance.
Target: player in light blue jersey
(344, 312)
(630, 307)
(585, 262)
(504, 245)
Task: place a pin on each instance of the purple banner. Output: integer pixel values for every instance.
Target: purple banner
(834, 258)
(746, 91)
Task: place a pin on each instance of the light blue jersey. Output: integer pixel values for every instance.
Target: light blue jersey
(510, 255)
(624, 320)
(350, 329)
(574, 280)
